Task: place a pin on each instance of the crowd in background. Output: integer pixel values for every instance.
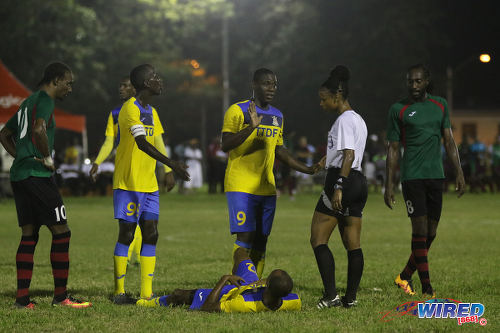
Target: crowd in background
(480, 163)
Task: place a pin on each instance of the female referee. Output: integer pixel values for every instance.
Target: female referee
(344, 195)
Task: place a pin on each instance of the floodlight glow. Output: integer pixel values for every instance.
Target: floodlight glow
(485, 58)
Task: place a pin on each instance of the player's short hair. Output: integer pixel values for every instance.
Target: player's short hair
(138, 75)
(259, 73)
(338, 81)
(54, 71)
(423, 68)
(279, 283)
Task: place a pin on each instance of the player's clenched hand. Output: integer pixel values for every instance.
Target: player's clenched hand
(180, 170)
(389, 197)
(337, 200)
(93, 172)
(170, 181)
(235, 280)
(460, 185)
(47, 162)
(255, 119)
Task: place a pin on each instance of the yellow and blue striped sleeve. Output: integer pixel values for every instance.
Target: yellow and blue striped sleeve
(233, 119)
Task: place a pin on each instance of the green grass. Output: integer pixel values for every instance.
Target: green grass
(194, 251)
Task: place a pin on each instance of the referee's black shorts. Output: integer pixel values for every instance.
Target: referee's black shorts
(354, 194)
(38, 202)
(423, 197)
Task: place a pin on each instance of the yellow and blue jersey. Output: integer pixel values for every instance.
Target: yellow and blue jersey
(250, 165)
(134, 169)
(112, 125)
(248, 297)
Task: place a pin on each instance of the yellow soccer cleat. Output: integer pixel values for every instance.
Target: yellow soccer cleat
(149, 303)
(406, 285)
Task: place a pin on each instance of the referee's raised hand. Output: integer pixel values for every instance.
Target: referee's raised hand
(255, 119)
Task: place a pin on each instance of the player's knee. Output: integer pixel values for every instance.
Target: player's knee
(126, 234)
(245, 237)
(150, 236)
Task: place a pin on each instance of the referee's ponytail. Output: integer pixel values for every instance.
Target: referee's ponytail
(338, 81)
(53, 71)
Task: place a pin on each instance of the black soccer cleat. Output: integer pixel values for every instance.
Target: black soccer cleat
(348, 304)
(124, 299)
(328, 302)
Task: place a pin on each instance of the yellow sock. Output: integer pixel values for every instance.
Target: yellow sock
(138, 244)
(236, 247)
(259, 260)
(120, 272)
(147, 273)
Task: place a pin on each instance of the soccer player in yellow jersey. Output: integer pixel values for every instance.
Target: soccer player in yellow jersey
(240, 292)
(252, 133)
(135, 188)
(126, 91)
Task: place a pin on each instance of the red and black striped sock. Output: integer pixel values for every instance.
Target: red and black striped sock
(24, 265)
(411, 266)
(59, 258)
(419, 251)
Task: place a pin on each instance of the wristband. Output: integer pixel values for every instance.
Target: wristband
(339, 185)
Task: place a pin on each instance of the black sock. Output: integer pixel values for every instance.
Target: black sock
(59, 258)
(354, 272)
(326, 266)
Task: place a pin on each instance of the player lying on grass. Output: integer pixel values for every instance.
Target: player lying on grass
(240, 292)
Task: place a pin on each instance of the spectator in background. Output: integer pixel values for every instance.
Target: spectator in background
(194, 156)
(304, 152)
(217, 161)
(495, 157)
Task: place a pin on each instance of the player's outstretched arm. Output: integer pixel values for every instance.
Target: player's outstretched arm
(212, 304)
(452, 153)
(390, 169)
(178, 167)
(284, 156)
(7, 140)
(233, 140)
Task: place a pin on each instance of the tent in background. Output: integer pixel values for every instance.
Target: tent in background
(13, 93)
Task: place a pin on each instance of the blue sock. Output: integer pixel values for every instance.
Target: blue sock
(163, 300)
(121, 250)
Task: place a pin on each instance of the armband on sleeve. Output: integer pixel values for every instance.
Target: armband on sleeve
(137, 130)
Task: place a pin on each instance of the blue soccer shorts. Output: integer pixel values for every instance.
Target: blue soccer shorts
(131, 206)
(246, 270)
(249, 212)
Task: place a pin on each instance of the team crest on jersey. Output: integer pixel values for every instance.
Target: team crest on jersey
(275, 121)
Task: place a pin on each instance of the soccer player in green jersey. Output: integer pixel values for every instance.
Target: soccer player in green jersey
(29, 137)
(420, 123)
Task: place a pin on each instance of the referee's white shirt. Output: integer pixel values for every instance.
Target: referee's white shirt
(348, 132)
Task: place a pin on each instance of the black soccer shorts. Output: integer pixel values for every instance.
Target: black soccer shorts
(38, 202)
(354, 194)
(423, 197)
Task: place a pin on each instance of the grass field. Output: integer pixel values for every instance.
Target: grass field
(194, 251)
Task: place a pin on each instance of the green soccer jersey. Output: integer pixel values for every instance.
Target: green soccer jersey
(419, 127)
(38, 105)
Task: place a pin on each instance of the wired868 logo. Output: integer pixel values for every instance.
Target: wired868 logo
(440, 309)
